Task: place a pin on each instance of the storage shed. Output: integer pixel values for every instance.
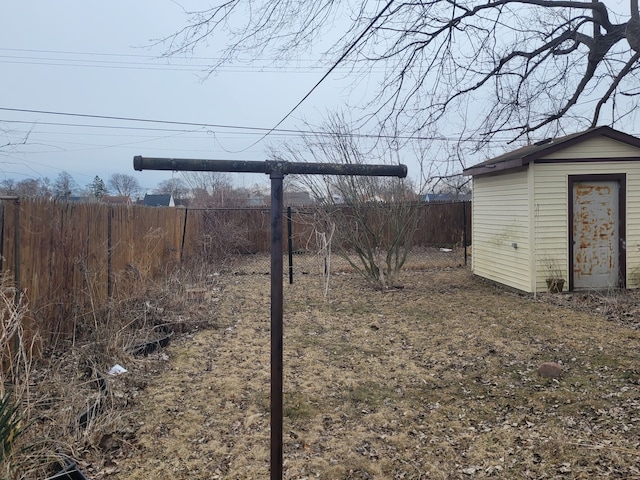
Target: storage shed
(565, 208)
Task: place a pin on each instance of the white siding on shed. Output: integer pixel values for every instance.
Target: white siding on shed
(501, 243)
(551, 200)
(600, 147)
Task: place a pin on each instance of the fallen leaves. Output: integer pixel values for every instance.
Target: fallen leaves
(430, 382)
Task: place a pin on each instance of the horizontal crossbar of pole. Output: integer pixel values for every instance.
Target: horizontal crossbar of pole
(269, 167)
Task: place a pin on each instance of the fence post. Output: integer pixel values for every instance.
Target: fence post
(109, 259)
(184, 233)
(2, 236)
(464, 230)
(290, 245)
(16, 252)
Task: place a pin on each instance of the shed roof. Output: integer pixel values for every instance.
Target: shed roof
(530, 153)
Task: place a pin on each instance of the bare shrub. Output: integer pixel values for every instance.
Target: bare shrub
(70, 406)
(374, 218)
(222, 235)
(15, 373)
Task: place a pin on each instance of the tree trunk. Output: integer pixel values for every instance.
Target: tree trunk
(633, 27)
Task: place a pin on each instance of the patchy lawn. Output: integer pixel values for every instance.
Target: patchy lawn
(436, 380)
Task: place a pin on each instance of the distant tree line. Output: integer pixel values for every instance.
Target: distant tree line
(211, 189)
(195, 189)
(64, 186)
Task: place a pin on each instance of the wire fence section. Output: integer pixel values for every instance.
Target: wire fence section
(322, 263)
(246, 230)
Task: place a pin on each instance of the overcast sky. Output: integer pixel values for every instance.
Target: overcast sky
(85, 88)
(97, 59)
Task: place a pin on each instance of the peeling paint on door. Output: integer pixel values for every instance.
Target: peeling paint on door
(595, 234)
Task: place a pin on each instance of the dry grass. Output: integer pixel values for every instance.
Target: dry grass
(437, 380)
(434, 380)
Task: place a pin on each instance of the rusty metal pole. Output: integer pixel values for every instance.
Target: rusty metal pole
(277, 330)
(277, 171)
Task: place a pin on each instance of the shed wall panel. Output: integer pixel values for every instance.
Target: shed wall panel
(551, 214)
(501, 220)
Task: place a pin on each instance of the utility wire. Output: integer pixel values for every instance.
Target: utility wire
(101, 60)
(132, 55)
(134, 119)
(195, 124)
(120, 127)
(333, 67)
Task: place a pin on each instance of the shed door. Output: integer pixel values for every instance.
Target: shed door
(596, 234)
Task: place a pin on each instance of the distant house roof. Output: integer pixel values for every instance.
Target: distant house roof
(116, 199)
(525, 155)
(256, 200)
(158, 201)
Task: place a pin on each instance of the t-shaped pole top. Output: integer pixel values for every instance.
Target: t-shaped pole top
(269, 167)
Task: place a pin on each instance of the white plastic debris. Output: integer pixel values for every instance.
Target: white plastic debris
(446, 250)
(117, 370)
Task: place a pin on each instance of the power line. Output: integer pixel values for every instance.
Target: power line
(132, 55)
(65, 59)
(135, 119)
(141, 66)
(333, 67)
(120, 127)
(197, 124)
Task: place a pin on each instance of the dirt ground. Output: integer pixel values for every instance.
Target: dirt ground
(435, 380)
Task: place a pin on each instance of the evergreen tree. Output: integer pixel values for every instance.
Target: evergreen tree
(98, 188)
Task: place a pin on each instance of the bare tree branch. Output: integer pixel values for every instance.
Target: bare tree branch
(515, 67)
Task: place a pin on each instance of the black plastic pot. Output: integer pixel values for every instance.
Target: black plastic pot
(69, 472)
(150, 347)
(153, 345)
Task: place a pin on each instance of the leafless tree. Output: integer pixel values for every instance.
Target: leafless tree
(209, 189)
(371, 220)
(500, 69)
(33, 187)
(123, 185)
(8, 186)
(173, 186)
(12, 138)
(64, 186)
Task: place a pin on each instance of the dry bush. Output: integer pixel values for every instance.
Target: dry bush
(15, 372)
(71, 407)
(222, 236)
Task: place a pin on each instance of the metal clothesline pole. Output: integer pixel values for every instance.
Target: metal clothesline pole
(276, 170)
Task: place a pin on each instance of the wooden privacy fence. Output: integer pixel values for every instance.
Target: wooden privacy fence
(70, 259)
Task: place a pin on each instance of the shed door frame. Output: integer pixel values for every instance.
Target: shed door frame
(621, 178)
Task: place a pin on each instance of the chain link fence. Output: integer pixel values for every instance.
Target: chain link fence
(420, 258)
